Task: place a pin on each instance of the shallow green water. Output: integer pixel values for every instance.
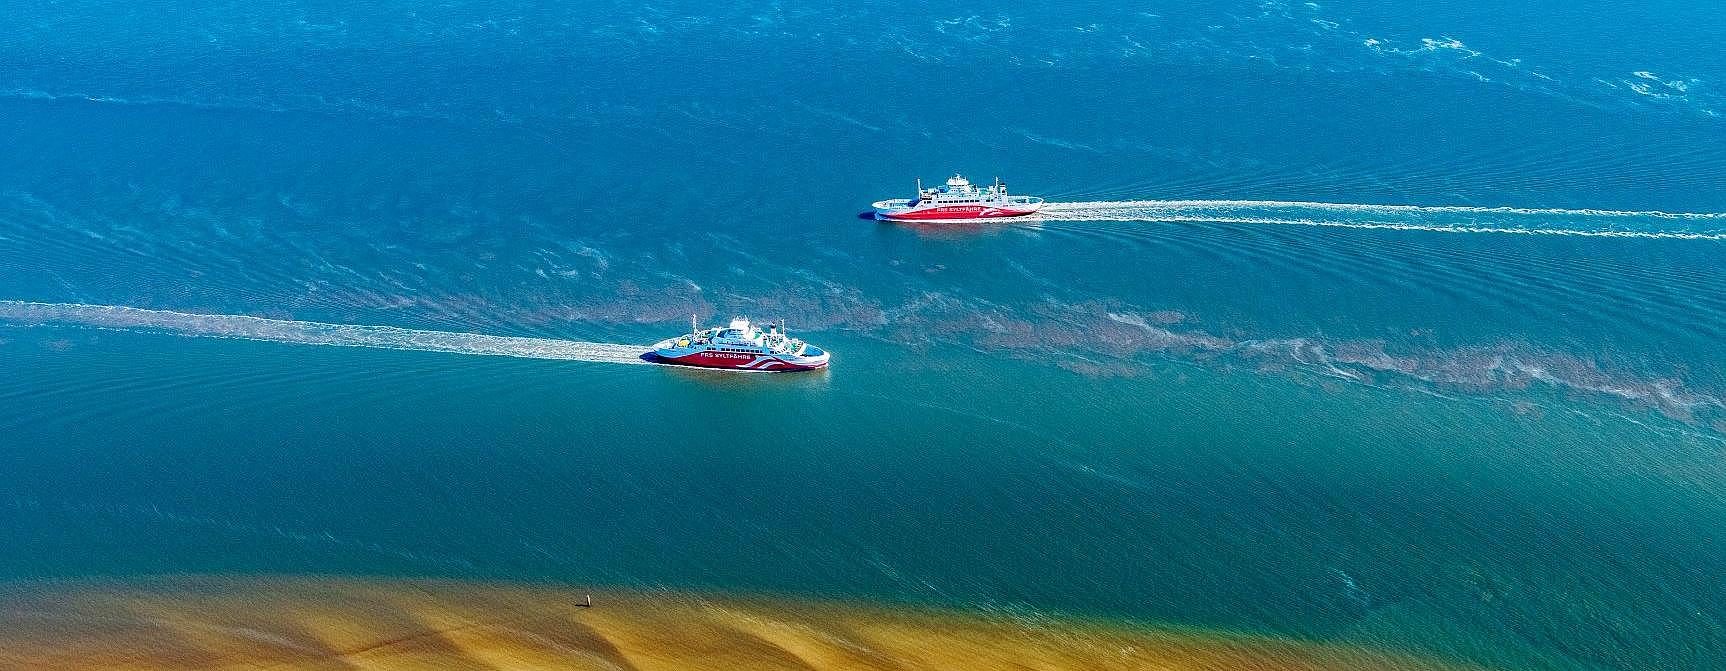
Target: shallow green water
(1212, 496)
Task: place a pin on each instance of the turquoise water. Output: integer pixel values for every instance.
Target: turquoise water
(1219, 384)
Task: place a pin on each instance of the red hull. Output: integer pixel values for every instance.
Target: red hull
(958, 212)
(736, 361)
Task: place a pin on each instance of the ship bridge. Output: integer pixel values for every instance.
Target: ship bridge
(961, 190)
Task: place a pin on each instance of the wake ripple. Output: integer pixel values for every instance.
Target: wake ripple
(314, 333)
(1652, 224)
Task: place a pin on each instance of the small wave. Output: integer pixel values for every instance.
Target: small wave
(1441, 218)
(131, 513)
(1118, 339)
(244, 327)
(301, 103)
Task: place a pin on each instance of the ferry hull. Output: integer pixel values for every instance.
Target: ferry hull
(777, 363)
(951, 213)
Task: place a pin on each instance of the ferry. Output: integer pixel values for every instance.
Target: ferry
(739, 346)
(957, 200)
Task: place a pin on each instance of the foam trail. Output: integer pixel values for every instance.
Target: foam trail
(1652, 224)
(314, 333)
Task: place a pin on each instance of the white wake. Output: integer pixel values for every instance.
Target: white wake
(313, 333)
(1653, 224)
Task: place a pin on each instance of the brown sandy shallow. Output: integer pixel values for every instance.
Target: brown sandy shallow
(319, 623)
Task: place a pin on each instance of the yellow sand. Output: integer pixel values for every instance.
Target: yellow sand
(300, 623)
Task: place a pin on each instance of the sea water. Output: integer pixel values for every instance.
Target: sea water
(1396, 327)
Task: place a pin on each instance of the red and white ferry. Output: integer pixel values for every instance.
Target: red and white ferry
(740, 346)
(957, 200)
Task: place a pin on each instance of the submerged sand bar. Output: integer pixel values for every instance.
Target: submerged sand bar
(317, 623)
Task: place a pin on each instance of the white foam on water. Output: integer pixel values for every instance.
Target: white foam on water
(314, 333)
(1442, 219)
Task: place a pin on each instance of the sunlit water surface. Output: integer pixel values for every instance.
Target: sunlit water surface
(1396, 328)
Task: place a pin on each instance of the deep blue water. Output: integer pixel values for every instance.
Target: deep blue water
(1489, 435)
